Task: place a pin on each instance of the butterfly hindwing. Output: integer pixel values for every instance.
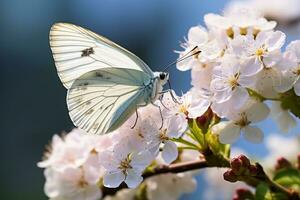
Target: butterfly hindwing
(101, 100)
(77, 51)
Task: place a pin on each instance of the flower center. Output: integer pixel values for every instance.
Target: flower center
(163, 135)
(243, 120)
(183, 108)
(260, 52)
(82, 183)
(297, 70)
(233, 81)
(125, 164)
(230, 32)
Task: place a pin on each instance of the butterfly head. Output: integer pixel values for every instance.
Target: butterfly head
(163, 77)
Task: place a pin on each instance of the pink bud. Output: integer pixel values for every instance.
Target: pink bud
(230, 176)
(245, 160)
(236, 165)
(253, 170)
(282, 163)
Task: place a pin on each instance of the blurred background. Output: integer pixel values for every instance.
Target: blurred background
(33, 104)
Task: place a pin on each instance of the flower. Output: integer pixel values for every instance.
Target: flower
(291, 67)
(197, 37)
(283, 117)
(229, 81)
(69, 151)
(124, 164)
(73, 183)
(263, 50)
(229, 131)
(238, 22)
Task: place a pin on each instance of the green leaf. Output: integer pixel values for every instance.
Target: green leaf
(290, 101)
(183, 141)
(217, 147)
(263, 193)
(197, 133)
(288, 177)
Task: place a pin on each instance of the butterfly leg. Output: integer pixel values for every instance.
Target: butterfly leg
(161, 102)
(136, 118)
(160, 112)
(137, 114)
(171, 93)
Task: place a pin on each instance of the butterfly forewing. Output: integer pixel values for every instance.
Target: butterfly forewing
(101, 100)
(77, 51)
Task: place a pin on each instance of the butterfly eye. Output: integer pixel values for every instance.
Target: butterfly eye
(162, 76)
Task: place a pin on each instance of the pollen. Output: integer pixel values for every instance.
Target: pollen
(125, 164)
(260, 52)
(82, 183)
(297, 70)
(163, 135)
(243, 30)
(230, 33)
(243, 120)
(183, 109)
(233, 81)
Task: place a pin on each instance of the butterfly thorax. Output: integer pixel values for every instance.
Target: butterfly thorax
(159, 80)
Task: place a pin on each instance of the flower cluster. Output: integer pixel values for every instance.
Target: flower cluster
(79, 165)
(237, 63)
(241, 64)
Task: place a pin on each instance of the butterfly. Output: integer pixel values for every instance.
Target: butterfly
(105, 82)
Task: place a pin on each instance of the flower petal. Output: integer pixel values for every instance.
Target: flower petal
(251, 66)
(257, 112)
(170, 152)
(229, 133)
(275, 40)
(253, 134)
(297, 87)
(142, 159)
(133, 178)
(113, 180)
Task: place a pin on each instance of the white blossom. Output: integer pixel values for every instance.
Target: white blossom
(282, 117)
(68, 151)
(73, 183)
(124, 164)
(229, 131)
(197, 37)
(291, 68)
(230, 80)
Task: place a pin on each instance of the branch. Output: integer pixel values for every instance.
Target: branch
(176, 168)
(162, 169)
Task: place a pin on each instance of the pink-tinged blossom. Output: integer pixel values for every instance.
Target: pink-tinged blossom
(124, 164)
(68, 151)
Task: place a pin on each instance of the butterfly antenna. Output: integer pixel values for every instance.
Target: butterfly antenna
(187, 55)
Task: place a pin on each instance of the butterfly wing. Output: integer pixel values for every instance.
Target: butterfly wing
(101, 100)
(77, 51)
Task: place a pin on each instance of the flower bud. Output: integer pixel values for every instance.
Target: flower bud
(236, 165)
(230, 176)
(253, 170)
(245, 160)
(243, 194)
(282, 163)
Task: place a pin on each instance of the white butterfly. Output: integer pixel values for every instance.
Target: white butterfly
(105, 82)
